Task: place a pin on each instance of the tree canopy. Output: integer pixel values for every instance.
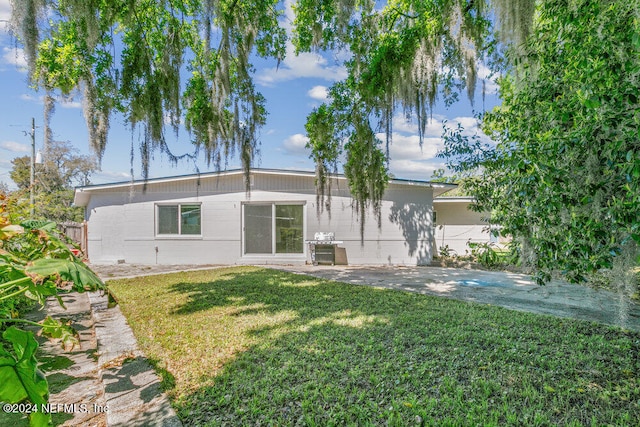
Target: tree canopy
(190, 62)
(131, 56)
(565, 174)
(62, 170)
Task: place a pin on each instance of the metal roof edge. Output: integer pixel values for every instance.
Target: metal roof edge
(443, 199)
(398, 181)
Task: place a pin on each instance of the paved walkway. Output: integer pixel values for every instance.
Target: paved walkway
(131, 387)
(105, 381)
(510, 290)
(76, 390)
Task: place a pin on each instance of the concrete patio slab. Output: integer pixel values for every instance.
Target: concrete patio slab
(510, 290)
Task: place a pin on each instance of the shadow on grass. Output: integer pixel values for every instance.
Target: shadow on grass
(324, 353)
(272, 290)
(167, 380)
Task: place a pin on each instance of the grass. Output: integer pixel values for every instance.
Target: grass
(253, 346)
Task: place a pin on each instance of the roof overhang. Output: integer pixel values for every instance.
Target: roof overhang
(455, 199)
(83, 194)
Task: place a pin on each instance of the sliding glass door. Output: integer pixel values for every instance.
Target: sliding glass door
(273, 228)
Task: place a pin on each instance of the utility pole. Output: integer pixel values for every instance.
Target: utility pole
(32, 178)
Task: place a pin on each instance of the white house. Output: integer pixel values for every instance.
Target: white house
(456, 224)
(210, 219)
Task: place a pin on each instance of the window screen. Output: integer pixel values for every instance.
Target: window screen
(179, 219)
(168, 219)
(272, 227)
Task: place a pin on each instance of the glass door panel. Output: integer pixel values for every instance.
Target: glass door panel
(289, 234)
(257, 229)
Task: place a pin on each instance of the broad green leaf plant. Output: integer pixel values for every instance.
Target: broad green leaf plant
(564, 177)
(34, 263)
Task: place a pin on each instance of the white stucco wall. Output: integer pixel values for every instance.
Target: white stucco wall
(121, 222)
(456, 224)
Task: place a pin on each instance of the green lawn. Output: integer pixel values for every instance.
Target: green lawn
(253, 346)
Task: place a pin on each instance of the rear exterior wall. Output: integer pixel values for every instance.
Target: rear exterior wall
(122, 222)
(457, 225)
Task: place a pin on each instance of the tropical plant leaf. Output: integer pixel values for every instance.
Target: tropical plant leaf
(9, 231)
(56, 329)
(8, 378)
(68, 271)
(32, 224)
(39, 419)
(19, 376)
(36, 263)
(40, 291)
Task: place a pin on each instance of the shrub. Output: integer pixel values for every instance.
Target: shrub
(34, 264)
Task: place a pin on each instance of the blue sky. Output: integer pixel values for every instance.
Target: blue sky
(292, 90)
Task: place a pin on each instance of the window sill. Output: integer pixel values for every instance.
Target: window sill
(178, 237)
(289, 255)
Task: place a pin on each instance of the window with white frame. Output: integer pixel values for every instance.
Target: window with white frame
(182, 219)
(273, 228)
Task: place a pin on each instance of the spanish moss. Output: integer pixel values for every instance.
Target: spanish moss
(131, 56)
(49, 109)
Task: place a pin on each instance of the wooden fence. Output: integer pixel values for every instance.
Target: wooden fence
(77, 232)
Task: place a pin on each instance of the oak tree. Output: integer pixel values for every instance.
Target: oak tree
(564, 177)
(190, 62)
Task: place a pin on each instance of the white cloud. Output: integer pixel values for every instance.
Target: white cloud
(409, 169)
(409, 160)
(405, 144)
(408, 147)
(296, 144)
(62, 101)
(402, 124)
(470, 124)
(433, 128)
(471, 127)
(69, 103)
(490, 85)
(14, 147)
(319, 92)
(15, 56)
(305, 64)
(31, 98)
